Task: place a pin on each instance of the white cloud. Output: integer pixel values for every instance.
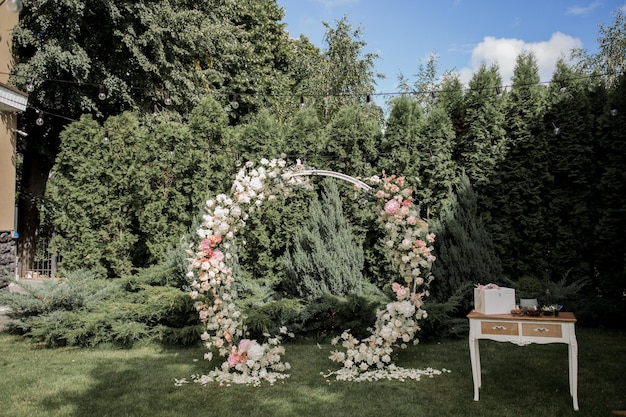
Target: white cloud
(584, 10)
(504, 52)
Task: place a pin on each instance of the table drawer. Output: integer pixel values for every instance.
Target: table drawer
(542, 330)
(499, 327)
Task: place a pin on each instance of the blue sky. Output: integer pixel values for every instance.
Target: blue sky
(462, 33)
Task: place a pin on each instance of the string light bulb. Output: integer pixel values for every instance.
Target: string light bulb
(102, 95)
(556, 129)
(31, 86)
(233, 101)
(166, 97)
(613, 112)
(40, 120)
(106, 136)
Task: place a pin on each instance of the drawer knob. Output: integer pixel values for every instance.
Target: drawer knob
(499, 328)
(541, 329)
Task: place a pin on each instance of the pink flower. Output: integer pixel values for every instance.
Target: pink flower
(217, 256)
(243, 345)
(392, 206)
(400, 291)
(430, 237)
(234, 359)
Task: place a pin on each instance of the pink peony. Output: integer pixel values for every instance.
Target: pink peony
(392, 206)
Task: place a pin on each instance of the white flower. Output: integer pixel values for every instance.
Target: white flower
(255, 352)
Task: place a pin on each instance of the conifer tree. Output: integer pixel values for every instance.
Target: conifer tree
(517, 189)
(398, 153)
(610, 230)
(465, 250)
(437, 172)
(451, 98)
(351, 141)
(304, 137)
(482, 143)
(324, 258)
(570, 203)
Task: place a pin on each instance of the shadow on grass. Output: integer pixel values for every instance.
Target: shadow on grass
(520, 381)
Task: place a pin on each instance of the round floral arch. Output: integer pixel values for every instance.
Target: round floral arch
(211, 280)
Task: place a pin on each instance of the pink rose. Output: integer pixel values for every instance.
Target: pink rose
(217, 256)
(392, 206)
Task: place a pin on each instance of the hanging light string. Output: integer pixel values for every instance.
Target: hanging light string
(166, 95)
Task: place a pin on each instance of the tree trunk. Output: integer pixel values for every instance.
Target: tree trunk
(34, 177)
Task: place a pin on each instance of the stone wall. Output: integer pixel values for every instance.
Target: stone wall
(8, 252)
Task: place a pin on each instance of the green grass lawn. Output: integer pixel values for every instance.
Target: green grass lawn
(517, 381)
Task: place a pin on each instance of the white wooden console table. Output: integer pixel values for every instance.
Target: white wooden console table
(523, 331)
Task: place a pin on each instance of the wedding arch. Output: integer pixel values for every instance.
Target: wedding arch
(211, 279)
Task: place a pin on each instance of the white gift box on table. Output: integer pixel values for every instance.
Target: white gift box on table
(491, 299)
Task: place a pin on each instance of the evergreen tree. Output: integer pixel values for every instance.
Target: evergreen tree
(610, 231)
(437, 172)
(398, 154)
(517, 189)
(351, 141)
(571, 212)
(261, 137)
(452, 99)
(141, 54)
(324, 258)
(123, 196)
(482, 144)
(94, 191)
(208, 123)
(304, 137)
(172, 183)
(465, 250)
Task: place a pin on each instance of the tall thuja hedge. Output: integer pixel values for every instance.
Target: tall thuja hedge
(437, 172)
(402, 130)
(351, 140)
(208, 124)
(123, 195)
(518, 186)
(324, 257)
(483, 141)
(572, 200)
(610, 229)
(464, 248)
(94, 193)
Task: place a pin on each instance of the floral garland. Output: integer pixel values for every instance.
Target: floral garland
(410, 246)
(250, 362)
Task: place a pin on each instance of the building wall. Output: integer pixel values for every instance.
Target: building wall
(8, 121)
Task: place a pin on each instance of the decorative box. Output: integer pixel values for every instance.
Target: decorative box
(494, 300)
